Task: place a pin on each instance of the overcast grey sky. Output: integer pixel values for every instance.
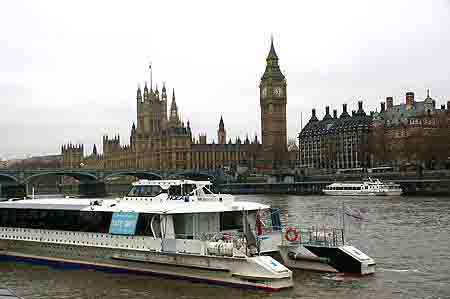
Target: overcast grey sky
(69, 70)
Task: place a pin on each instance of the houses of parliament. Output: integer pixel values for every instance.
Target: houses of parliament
(160, 140)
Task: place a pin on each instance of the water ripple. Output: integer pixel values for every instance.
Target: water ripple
(408, 237)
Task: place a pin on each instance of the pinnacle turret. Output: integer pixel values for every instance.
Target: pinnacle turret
(163, 92)
(139, 94)
(221, 124)
(174, 119)
(174, 103)
(221, 133)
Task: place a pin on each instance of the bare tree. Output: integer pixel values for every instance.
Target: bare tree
(292, 144)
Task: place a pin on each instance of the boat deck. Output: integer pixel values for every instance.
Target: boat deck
(6, 293)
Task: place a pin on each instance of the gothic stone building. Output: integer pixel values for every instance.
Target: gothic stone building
(335, 142)
(160, 140)
(273, 100)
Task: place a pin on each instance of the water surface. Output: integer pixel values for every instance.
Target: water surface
(409, 237)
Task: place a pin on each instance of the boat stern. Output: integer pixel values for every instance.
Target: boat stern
(263, 272)
(366, 263)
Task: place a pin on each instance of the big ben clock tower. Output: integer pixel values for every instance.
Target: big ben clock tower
(273, 99)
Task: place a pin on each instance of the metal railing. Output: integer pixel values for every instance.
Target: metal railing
(316, 236)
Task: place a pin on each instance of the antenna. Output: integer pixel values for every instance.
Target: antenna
(150, 67)
(343, 223)
(301, 121)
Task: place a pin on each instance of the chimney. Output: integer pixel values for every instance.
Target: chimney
(360, 105)
(389, 102)
(335, 111)
(344, 108)
(409, 99)
(442, 107)
(383, 106)
(353, 112)
(327, 110)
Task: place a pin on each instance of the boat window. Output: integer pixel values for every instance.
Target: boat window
(183, 225)
(145, 191)
(143, 226)
(175, 190)
(188, 188)
(231, 220)
(69, 220)
(94, 221)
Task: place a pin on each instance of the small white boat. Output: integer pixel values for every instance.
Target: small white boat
(366, 187)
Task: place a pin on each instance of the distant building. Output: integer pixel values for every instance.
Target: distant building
(161, 140)
(410, 133)
(36, 162)
(335, 142)
(413, 133)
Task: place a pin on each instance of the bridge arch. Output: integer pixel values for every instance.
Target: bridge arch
(79, 175)
(9, 177)
(139, 174)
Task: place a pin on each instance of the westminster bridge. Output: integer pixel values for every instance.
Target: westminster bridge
(93, 181)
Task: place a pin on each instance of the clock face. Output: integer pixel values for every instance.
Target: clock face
(277, 91)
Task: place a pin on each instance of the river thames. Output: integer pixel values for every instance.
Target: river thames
(409, 237)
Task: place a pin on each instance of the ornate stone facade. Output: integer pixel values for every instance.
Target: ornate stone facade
(413, 133)
(273, 100)
(410, 133)
(160, 140)
(335, 142)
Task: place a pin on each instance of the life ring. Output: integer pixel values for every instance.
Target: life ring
(291, 234)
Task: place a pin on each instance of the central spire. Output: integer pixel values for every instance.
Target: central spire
(272, 68)
(272, 53)
(221, 124)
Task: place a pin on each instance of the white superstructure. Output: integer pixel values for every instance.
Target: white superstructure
(367, 187)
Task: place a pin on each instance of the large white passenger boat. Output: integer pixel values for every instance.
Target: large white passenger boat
(172, 228)
(366, 187)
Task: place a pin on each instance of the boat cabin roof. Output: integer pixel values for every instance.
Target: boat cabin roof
(154, 206)
(165, 184)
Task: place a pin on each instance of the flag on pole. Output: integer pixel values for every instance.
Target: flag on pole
(258, 224)
(360, 214)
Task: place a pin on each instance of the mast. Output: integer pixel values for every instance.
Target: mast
(343, 223)
(150, 67)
